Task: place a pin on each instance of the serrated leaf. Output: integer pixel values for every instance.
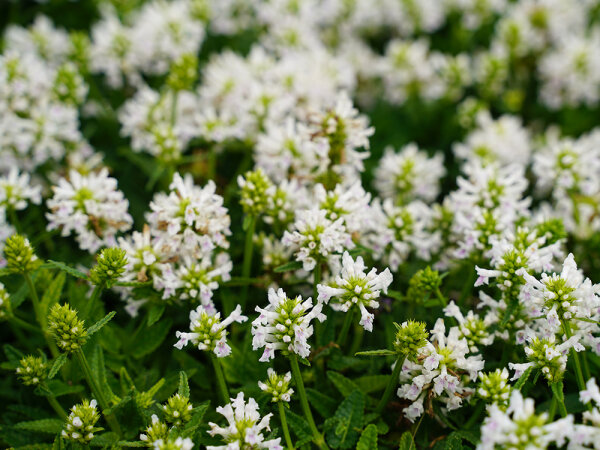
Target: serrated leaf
(383, 352)
(322, 403)
(372, 383)
(343, 432)
(60, 388)
(466, 436)
(5, 271)
(57, 364)
(196, 420)
(19, 297)
(523, 378)
(50, 426)
(395, 295)
(104, 440)
(132, 444)
(293, 265)
(299, 426)
(406, 442)
(98, 325)
(150, 339)
(184, 388)
(99, 372)
(13, 354)
(343, 384)
(50, 264)
(52, 293)
(155, 313)
(368, 439)
(452, 442)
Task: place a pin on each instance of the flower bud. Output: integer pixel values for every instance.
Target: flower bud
(109, 268)
(178, 410)
(277, 386)
(5, 309)
(32, 370)
(411, 336)
(80, 423)
(494, 388)
(183, 72)
(423, 284)
(68, 330)
(155, 431)
(19, 254)
(255, 190)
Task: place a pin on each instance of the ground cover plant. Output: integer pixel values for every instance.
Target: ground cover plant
(300, 224)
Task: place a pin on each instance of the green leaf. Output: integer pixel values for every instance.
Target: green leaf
(247, 221)
(293, 265)
(155, 312)
(5, 271)
(406, 442)
(60, 388)
(452, 442)
(242, 281)
(376, 353)
(523, 379)
(98, 325)
(196, 420)
(150, 339)
(395, 295)
(322, 403)
(184, 388)
(299, 426)
(342, 432)
(132, 444)
(466, 436)
(343, 384)
(133, 283)
(19, 297)
(50, 264)
(99, 372)
(368, 439)
(557, 390)
(372, 383)
(57, 364)
(50, 426)
(52, 293)
(104, 440)
(13, 354)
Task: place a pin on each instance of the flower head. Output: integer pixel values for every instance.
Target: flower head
(68, 330)
(244, 427)
(32, 370)
(80, 426)
(355, 288)
(410, 339)
(285, 325)
(208, 332)
(277, 386)
(19, 254)
(110, 265)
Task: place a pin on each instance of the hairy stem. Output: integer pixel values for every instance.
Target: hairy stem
(284, 426)
(222, 384)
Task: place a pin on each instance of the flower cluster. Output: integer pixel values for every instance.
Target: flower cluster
(277, 386)
(81, 423)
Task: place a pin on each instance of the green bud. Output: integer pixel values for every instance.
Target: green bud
(546, 357)
(494, 388)
(178, 410)
(157, 430)
(5, 309)
(277, 386)
(411, 337)
(109, 268)
(423, 284)
(552, 229)
(80, 426)
(19, 254)
(68, 85)
(68, 330)
(183, 72)
(255, 191)
(32, 370)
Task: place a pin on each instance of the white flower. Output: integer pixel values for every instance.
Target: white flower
(208, 332)
(171, 444)
(315, 237)
(91, 207)
(16, 190)
(409, 174)
(285, 325)
(244, 427)
(353, 287)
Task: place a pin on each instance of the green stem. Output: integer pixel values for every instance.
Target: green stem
(286, 431)
(89, 309)
(558, 396)
(317, 438)
(14, 219)
(96, 391)
(248, 249)
(346, 327)
(476, 414)
(414, 434)
(552, 410)
(211, 163)
(36, 301)
(24, 325)
(440, 297)
(56, 406)
(391, 385)
(359, 333)
(222, 384)
(316, 281)
(575, 356)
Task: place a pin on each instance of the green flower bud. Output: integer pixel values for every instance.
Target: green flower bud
(255, 190)
(423, 284)
(68, 330)
(32, 370)
(552, 229)
(110, 267)
(494, 388)
(5, 309)
(68, 85)
(183, 72)
(411, 336)
(178, 410)
(155, 431)
(80, 426)
(277, 386)
(19, 254)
